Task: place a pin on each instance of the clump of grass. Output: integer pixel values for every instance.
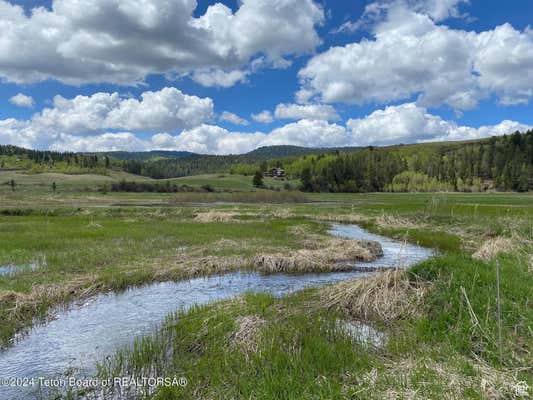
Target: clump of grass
(333, 257)
(384, 296)
(342, 218)
(248, 333)
(215, 216)
(394, 221)
(494, 246)
(425, 378)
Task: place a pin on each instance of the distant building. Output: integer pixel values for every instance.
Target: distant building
(275, 173)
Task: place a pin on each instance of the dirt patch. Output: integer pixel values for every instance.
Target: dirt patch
(248, 334)
(384, 296)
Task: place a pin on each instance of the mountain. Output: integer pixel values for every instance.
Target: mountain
(146, 155)
(295, 151)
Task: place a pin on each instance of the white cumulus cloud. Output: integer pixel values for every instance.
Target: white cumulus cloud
(233, 118)
(122, 41)
(411, 54)
(309, 111)
(410, 123)
(264, 117)
(166, 109)
(21, 100)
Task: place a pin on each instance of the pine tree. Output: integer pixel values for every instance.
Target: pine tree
(258, 179)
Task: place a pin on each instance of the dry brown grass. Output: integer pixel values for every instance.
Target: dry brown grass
(282, 213)
(215, 216)
(332, 257)
(248, 334)
(401, 380)
(494, 246)
(346, 218)
(394, 221)
(384, 296)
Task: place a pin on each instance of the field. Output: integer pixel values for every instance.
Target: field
(439, 318)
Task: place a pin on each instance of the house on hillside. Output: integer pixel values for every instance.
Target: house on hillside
(276, 172)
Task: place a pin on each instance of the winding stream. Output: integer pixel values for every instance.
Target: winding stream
(85, 333)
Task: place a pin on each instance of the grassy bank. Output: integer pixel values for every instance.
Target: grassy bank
(442, 339)
(312, 345)
(439, 319)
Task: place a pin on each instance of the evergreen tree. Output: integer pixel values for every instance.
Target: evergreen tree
(258, 179)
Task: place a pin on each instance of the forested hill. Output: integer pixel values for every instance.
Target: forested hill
(240, 163)
(265, 152)
(146, 155)
(156, 163)
(36, 161)
(502, 163)
(268, 152)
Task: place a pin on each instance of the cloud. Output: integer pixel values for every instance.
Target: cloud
(264, 117)
(21, 100)
(233, 118)
(176, 121)
(376, 11)
(411, 55)
(309, 111)
(116, 141)
(210, 139)
(409, 123)
(167, 109)
(123, 41)
(219, 78)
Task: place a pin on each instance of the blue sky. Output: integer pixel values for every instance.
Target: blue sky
(328, 73)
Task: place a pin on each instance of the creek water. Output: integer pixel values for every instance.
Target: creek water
(84, 333)
(11, 270)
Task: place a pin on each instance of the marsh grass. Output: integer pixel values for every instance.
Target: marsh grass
(382, 297)
(94, 250)
(439, 317)
(333, 255)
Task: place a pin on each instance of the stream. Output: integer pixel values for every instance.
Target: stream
(84, 333)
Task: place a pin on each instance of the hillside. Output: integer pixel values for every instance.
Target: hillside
(295, 151)
(501, 163)
(145, 155)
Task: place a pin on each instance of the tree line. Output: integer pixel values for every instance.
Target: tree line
(500, 163)
(39, 160)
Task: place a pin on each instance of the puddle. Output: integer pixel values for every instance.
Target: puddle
(12, 270)
(85, 333)
(362, 333)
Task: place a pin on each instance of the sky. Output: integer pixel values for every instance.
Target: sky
(226, 77)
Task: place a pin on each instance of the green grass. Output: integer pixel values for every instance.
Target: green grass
(302, 353)
(230, 182)
(449, 323)
(116, 248)
(115, 240)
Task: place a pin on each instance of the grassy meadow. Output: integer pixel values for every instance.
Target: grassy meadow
(439, 318)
